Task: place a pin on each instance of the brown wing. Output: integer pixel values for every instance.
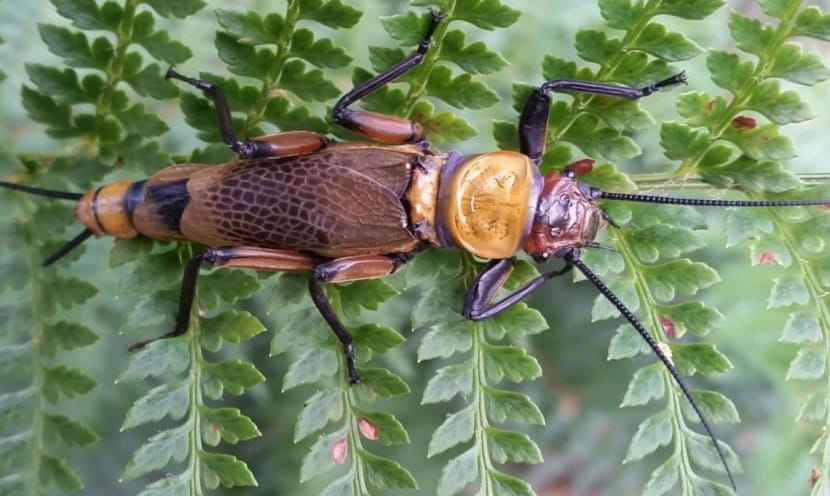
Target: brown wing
(342, 201)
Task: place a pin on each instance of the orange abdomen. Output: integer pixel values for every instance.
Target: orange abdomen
(103, 210)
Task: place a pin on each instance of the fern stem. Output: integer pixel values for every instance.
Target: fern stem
(353, 434)
(36, 335)
(481, 424)
(819, 296)
(646, 299)
(662, 181)
(742, 95)
(631, 34)
(124, 33)
(257, 112)
(479, 382)
(582, 100)
(359, 485)
(195, 392)
(417, 88)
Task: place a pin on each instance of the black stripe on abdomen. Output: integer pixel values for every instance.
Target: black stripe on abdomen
(169, 201)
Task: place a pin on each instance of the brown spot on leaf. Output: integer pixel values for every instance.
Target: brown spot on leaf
(744, 122)
(669, 329)
(815, 475)
(582, 167)
(367, 428)
(570, 404)
(767, 258)
(340, 450)
(710, 105)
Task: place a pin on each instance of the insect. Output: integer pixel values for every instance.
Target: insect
(346, 211)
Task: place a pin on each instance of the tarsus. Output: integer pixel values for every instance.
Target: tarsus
(62, 195)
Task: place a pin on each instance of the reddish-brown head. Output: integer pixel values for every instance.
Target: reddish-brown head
(566, 217)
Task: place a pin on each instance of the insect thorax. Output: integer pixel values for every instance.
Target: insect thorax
(482, 204)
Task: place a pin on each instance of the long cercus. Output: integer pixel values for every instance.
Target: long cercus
(280, 206)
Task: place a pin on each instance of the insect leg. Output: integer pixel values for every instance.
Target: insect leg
(381, 127)
(477, 304)
(533, 123)
(240, 257)
(496, 272)
(350, 269)
(272, 145)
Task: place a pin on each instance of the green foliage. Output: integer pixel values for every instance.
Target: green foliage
(725, 147)
(656, 234)
(473, 384)
(436, 79)
(317, 358)
(2, 74)
(35, 438)
(485, 364)
(749, 163)
(61, 98)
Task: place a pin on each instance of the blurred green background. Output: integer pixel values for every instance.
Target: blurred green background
(586, 436)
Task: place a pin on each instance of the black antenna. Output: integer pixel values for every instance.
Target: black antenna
(572, 258)
(69, 246)
(702, 202)
(600, 246)
(51, 193)
(61, 195)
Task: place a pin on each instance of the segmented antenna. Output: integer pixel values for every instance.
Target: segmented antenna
(703, 202)
(51, 193)
(61, 195)
(69, 246)
(573, 259)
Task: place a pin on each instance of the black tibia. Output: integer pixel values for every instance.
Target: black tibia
(382, 127)
(340, 269)
(477, 304)
(246, 148)
(211, 256)
(572, 259)
(533, 122)
(321, 301)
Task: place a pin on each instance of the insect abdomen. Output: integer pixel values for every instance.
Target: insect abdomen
(163, 201)
(105, 210)
(152, 207)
